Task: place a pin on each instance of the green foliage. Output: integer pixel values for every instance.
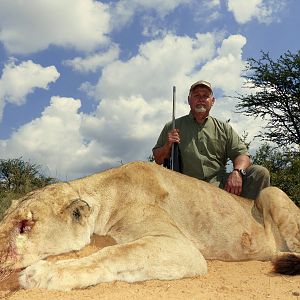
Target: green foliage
(275, 97)
(244, 139)
(284, 169)
(17, 178)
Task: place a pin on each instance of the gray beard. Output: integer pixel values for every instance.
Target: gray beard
(200, 109)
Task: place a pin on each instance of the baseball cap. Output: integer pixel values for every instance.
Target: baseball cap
(201, 82)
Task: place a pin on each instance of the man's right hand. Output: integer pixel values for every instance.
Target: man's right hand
(164, 152)
(173, 137)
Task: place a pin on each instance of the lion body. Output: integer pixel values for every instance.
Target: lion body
(165, 225)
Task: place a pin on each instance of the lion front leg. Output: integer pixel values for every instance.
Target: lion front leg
(279, 208)
(151, 257)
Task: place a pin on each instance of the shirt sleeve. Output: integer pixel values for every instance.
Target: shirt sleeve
(162, 139)
(235, 146)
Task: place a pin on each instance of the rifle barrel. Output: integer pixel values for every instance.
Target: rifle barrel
(173, 126)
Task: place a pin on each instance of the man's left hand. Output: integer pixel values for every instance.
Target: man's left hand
(234, 183)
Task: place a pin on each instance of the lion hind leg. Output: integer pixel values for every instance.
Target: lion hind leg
(150, 257)
(276, 205)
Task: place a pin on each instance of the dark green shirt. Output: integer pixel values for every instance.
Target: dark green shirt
(205, 148)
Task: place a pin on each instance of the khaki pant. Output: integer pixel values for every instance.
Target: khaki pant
(256, 179)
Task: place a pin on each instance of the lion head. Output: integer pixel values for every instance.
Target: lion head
(49, 221)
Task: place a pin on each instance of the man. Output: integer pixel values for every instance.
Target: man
(205, 144)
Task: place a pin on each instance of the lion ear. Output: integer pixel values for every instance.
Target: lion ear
(79, 210)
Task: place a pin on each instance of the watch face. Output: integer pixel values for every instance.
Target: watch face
(243, 172)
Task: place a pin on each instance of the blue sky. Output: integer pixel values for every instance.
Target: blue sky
(86, 85)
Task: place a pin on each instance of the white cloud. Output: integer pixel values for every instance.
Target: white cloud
(173, 60)
(72, 144)
(213, 16)
(31, 26)
(162, 7)
(152, 28)
(17, 81)
(244, 11)
(158, 66)
(127, 128)
(53, 140)
(265, 11)
(226, 68)
(206, 11)
(93, 62)
(123, 10)
(212, 3)
(136, 101)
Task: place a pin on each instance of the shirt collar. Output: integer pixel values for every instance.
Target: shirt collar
(192, 118)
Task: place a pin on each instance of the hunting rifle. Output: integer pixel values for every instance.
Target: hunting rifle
(174, 162)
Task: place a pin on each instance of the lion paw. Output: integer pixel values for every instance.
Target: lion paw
(40, 275)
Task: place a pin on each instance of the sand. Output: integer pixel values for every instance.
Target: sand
(225, 280)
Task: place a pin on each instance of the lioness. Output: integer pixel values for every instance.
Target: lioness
(165, 224)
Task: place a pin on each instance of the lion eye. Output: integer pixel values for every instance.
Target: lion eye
(25, 226)
(76, 214)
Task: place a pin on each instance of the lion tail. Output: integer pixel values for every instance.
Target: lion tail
(288, 264)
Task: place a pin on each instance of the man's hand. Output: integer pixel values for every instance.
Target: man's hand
(173, 137)
(234, 183)
(164, 152)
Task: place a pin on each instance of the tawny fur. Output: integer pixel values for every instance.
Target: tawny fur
(165, 225)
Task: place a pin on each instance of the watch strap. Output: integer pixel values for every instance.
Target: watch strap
(241, 171)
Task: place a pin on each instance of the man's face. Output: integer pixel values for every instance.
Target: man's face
(201, 99)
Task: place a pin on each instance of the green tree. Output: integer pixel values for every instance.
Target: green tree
(284, 169)
(275, 97)
(17, 178)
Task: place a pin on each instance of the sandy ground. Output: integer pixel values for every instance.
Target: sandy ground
(225, 280)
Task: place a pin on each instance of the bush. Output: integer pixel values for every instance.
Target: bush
(17, 178)
(284, 168)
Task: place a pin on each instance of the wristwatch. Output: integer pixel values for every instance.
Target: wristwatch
(241, 171)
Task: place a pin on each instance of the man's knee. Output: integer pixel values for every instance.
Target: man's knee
(259, 172)
(257, 178)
